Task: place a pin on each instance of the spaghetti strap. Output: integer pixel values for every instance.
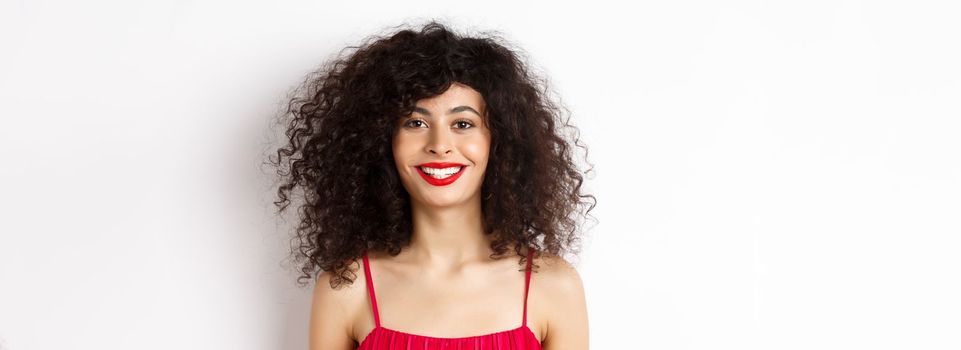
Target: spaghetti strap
(373, 295)
(370, 291)
(527, 283)
(520, 338)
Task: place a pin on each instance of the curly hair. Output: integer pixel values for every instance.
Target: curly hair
(340, 122)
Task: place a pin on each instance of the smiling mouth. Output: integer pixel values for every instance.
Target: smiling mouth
(440, 175)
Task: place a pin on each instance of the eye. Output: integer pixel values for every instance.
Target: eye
(463, 123)
(408, 123)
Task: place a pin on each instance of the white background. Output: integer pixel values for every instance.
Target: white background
(770, 175)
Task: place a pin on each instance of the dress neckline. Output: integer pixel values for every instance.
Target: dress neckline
(522, 328)
(378, 327)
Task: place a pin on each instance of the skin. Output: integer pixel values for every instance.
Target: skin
(444, 284)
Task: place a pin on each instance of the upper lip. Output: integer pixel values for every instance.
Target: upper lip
(436, 165)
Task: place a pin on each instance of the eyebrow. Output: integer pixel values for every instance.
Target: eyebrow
(452, 110)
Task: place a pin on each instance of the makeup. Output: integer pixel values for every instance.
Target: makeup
(440, 174)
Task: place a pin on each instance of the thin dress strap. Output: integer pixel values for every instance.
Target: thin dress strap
(527, 282)
(370, 290)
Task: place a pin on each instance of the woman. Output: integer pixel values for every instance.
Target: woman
(431, 165)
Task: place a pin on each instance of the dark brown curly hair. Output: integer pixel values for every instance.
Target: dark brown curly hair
(340, 122)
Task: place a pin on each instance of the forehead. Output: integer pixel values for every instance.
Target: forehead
(456, 94)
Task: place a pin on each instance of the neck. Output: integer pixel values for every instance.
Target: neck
(450, 236)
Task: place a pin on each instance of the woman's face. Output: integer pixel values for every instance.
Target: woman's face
(447, 128)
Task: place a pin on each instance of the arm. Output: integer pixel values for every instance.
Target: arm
(329, 326)
(567, 327)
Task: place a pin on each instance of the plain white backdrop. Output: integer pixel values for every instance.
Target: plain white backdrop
(769, 175)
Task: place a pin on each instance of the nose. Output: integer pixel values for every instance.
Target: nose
(440, 142)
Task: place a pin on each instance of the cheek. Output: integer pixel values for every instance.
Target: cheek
(400, 149)
(477, 150)
(406, 150)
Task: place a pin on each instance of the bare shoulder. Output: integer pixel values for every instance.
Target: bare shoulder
(335, 309)
(563, 303)
(555, 266)
(556, 273)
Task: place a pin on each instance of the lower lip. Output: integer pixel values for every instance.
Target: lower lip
(440, 182)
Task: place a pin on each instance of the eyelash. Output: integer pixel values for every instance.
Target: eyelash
(407, 124)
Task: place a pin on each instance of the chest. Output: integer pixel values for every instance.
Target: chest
(480, 301)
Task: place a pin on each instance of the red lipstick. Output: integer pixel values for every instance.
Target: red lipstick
(437, 165)
(440, 182)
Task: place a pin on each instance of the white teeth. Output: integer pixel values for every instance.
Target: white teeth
(445, 171)
(440, 173)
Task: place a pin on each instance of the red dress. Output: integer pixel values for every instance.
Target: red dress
(380, 338)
